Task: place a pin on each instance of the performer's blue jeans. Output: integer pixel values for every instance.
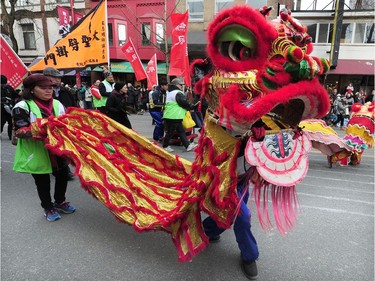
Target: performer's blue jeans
(242, 230)
(158, 133)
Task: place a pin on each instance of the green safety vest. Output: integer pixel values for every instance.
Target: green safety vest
(31, 155)
(103, 100)
(172, 110)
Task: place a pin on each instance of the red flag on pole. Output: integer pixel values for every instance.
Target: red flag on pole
(77, 16)
(11, 65)
(64, 20)
(152, 72)
(179, 62)
(132, 56)
(63, 14)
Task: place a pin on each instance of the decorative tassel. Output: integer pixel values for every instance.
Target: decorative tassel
(284, 204)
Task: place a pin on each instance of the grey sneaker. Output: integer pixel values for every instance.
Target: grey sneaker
(169, 149)
(249, 268)
(191, 146)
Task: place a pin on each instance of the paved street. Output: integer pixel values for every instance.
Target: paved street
(333, 240)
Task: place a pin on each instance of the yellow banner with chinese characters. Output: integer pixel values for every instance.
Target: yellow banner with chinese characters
(85, 45)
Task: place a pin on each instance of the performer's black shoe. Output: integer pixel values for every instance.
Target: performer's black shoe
(249, 268)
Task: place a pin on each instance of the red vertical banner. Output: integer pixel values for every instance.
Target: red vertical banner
(77, 17)
(64, 15)
(132, 56)
(152, 72)
(179, 62)
(11, 65)
(78, 79)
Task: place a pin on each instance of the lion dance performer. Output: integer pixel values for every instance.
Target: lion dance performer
(359, 136)
(261, 83)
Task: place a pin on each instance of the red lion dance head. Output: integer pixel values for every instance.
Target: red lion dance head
(261, 67)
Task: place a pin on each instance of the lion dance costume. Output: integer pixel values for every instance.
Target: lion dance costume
(359, 136)
(261, 71)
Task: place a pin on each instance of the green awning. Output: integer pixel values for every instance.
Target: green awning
(125, 67)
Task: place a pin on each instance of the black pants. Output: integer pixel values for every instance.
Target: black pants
(171, 126)
(340, 118)
(43, 185)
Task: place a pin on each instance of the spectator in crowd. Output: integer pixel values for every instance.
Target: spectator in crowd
(340, 107)
(8, 99)
(31, 155)
(117, 105)
(133, 99)
(176, 105)
(333, 94)
(86, 96)
(361, 97)
(105, 88)
(144, 94)
(349, 99)
(95, 92)
(60, 93)
(370, 97)
(350, 88)
(156, 104)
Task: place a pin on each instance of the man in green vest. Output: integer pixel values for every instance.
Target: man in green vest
(105, 88)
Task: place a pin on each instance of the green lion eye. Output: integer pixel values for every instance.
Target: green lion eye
(237, 43)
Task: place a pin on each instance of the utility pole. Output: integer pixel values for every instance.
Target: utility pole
(166, 41)
(336, 34)
(78, 74)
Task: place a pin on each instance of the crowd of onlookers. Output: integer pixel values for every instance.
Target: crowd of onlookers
(341, 104)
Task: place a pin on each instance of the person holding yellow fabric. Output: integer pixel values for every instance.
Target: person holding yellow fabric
(31, 155)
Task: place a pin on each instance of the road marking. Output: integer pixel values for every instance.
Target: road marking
(335, 198)
(338, 188)
(337, 211)
(344, 172)
(341, 180)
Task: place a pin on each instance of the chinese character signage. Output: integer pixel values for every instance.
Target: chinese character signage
(11, 65)
(85, 45)
(179, 61)
(132, 56)
(152, 72)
